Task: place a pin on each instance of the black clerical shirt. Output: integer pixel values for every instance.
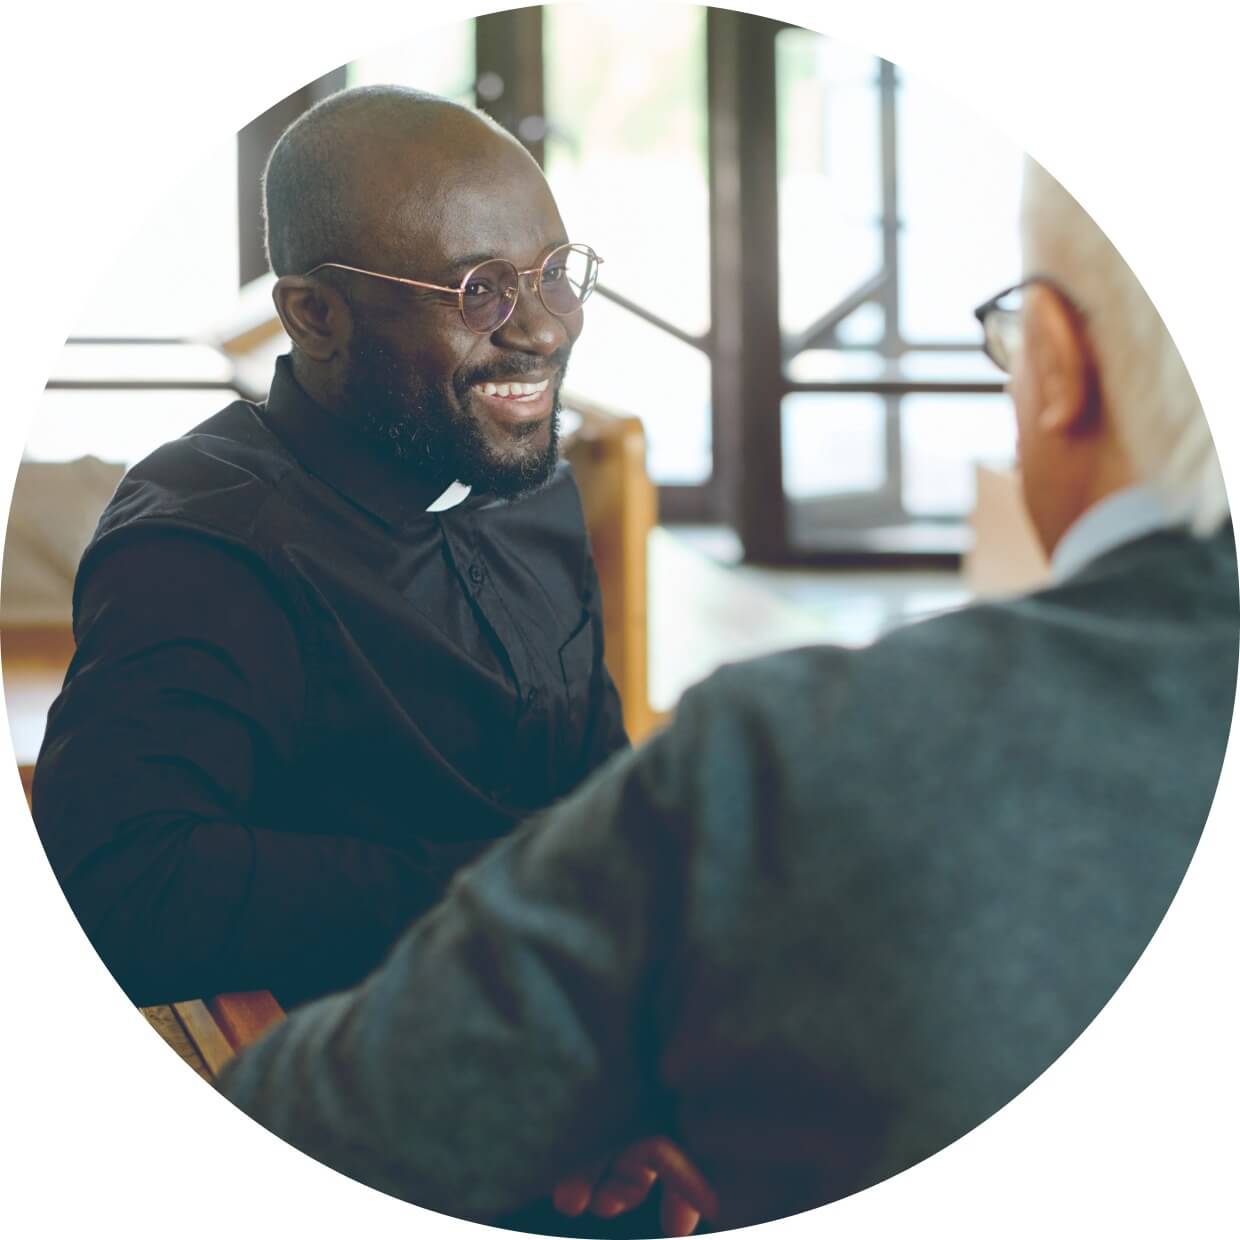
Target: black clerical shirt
(300, 701)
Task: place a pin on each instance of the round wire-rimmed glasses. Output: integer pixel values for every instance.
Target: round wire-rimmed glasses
(487, 294)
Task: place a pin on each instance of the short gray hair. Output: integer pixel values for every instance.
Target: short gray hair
(1144, 383)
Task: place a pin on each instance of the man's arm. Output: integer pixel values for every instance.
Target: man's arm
(641, 959)
(188, 679)
(513, 1033)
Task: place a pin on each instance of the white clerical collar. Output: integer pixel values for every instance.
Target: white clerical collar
(457, 492)
(1119, 518)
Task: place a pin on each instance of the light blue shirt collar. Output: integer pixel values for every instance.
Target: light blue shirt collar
(1120, 518)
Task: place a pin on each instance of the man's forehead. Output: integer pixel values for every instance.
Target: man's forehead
(467, 210)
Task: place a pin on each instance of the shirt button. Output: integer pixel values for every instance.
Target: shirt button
(531, 698)
(476, 574)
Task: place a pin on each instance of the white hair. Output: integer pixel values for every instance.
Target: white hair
(1144, 383)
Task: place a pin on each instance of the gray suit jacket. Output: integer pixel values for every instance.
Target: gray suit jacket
(844, 909)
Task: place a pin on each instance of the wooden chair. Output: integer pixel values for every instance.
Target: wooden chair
(208, 1033)
(608, 455)
(34, 659)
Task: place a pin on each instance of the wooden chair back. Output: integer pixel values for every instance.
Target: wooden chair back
(608, 455)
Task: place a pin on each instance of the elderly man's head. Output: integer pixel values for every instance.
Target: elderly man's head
(386, 181)
(1102, 397)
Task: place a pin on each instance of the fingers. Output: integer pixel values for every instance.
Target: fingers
(571, 1196)
(680, 1177)
(676, 1216)
(608, 1190)
(625, 1186)
(604, 1190)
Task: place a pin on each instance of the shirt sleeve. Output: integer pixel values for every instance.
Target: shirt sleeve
(186, 689)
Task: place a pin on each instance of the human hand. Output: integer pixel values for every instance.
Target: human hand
(618, 1184)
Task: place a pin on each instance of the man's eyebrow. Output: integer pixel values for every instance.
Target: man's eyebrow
(466, 262)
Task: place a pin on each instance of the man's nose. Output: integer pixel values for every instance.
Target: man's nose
(532, 328)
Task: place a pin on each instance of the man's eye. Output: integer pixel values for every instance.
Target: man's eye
(552, 275)
(479, 288)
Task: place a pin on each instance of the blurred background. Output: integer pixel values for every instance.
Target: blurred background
(795, 234)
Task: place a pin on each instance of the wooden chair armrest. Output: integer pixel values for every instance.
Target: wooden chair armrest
(219, 1028)
(244, 1017)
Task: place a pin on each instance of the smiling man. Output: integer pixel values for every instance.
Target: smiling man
(444, 211)
(333, 645)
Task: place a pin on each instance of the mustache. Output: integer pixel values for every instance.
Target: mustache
(514, 368)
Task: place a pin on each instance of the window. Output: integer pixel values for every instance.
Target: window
(959, 195)
(174, 279)
(625, 96)
(120, 401)
(795, 235)
(121, 427)
(897, 214)
(440, 61)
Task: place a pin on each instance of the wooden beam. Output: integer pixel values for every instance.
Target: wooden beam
(508, 52)
(254, 144)
(747, 375)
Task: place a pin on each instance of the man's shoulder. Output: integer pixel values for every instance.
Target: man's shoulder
(947, 647)
(1157, 624)
(216, 477)
(230, 446)
(923, 686)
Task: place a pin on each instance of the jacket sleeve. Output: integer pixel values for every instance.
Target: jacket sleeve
(512, 1034)
(639, 959)
(642, 958)
(188, 682)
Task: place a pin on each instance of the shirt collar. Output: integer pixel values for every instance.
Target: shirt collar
(325, 444)
(1120, 518)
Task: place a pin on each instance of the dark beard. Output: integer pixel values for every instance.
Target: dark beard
(414, 423)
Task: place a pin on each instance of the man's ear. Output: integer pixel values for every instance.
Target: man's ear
(314, 315)
(1064, 366)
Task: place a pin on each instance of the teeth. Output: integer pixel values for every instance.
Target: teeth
(514, 390)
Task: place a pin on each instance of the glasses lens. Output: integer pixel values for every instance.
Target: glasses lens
(489, 294)
(568, 277)
(1003, 334)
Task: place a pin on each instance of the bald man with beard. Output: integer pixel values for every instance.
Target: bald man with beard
(333, 645)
